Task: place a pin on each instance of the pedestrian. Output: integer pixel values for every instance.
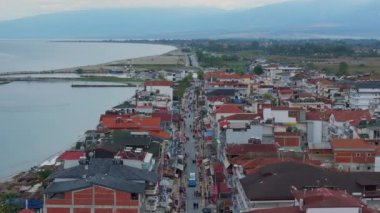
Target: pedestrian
(194, 205)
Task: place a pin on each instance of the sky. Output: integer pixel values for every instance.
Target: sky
(13, 9)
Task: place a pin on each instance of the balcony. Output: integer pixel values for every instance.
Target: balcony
(151, 190)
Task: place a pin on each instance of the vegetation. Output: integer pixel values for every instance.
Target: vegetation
(161, 76)
(79, 71)
(200, 74)
(343, 69)
(6, 204)
(183, 85)
(43, 174)
(258, 70)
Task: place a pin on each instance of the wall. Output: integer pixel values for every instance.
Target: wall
(96, 198)
(70, 163)
(377, 164)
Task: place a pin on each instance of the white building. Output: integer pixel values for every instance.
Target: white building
(365, 95)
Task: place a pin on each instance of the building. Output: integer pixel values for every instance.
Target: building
(98, 186)
(322, 200)
(289, 140)
(71, 158)
(161, 87)
(365, 95)
(271, 186)
(353, 155)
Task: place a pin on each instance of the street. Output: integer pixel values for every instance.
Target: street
(190, 150)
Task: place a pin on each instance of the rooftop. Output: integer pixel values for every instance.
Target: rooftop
(244, 117)
(350, 144)
(114, 121)
(228, 108)
(102, 172)
(71, 155)
(275, 181)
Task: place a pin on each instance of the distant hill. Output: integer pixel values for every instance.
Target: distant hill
(294, 19)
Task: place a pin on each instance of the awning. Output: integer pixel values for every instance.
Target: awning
(206, 160)
(226, 163)
(209, 133)
(180, 166)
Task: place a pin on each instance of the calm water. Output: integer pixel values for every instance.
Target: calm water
(41, 119)
(25, 55)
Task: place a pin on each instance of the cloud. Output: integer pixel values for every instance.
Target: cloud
(11, 9)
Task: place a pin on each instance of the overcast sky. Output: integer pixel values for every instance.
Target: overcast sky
(12, 9)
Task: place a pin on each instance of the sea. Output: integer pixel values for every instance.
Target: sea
(38, 120)
(39, 55)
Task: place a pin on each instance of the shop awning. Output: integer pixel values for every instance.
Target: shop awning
(180, 166)
(226, 163)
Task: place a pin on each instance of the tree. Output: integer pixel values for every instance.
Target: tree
(343, 69)
(79, 71)
(7, 202)
(258, 70)
(200, 74)
(161, 76)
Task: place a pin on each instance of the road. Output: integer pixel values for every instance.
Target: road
(191, 60)
(191, 167)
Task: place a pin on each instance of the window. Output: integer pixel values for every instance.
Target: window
(134, 196)
(376, 134)
(357, 154)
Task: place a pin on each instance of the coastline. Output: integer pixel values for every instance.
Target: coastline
(170, 58)
(138, 62)
(18, 178)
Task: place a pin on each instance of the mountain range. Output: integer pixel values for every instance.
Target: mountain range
(292, 19)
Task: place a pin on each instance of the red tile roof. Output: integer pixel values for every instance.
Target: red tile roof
(111, 121)
(71, 155)
(158, 83)
(353, 144)
(225, 75)
(228, 108)
(318, 115)
(285, 90)
(244, 117)
(354, 116)
(287, 134)
(161, 134)
(241, 149)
